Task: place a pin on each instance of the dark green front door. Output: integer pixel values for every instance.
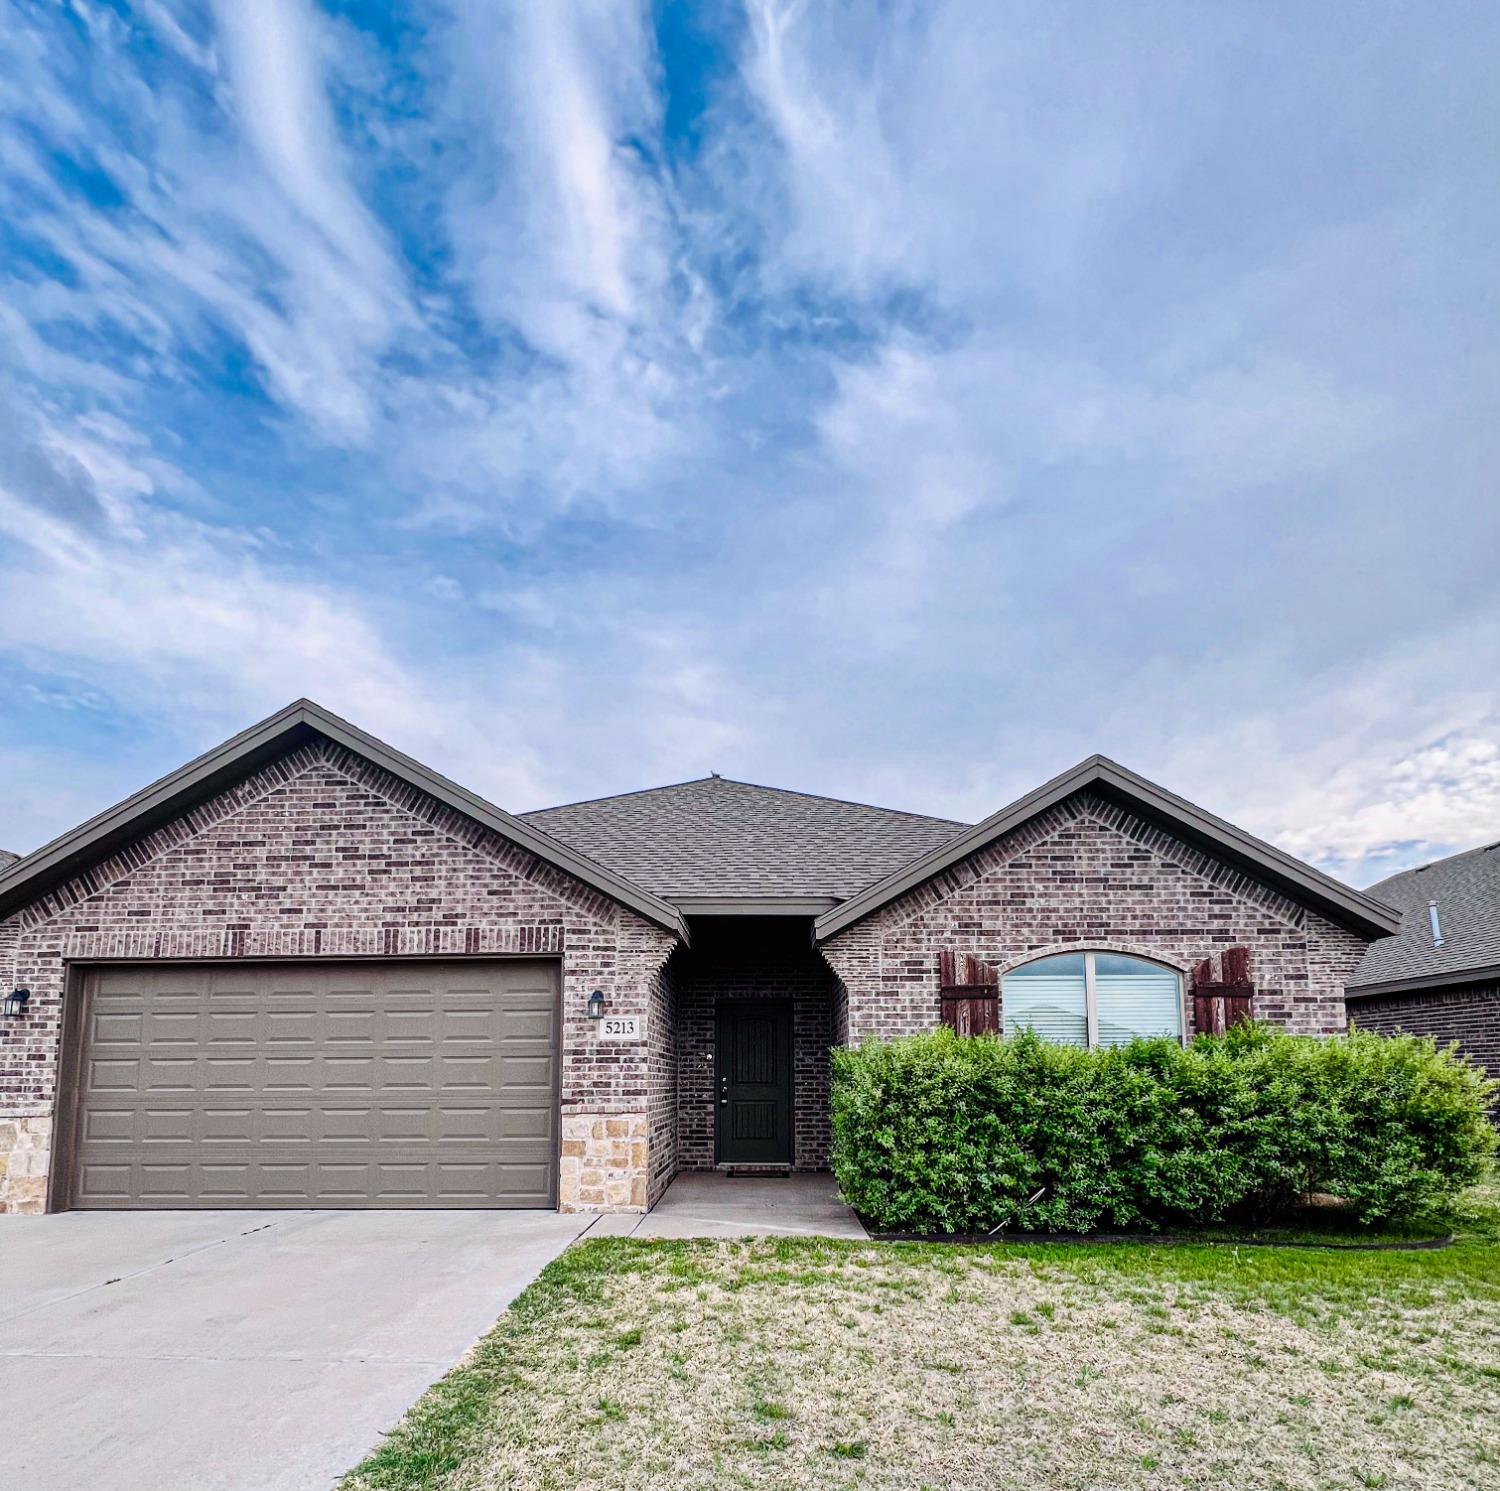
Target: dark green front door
(755, 1083)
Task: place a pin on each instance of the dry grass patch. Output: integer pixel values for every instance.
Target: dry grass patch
(807, 1363)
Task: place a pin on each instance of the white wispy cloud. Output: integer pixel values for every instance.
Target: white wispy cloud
(149, 605)
(566, 238)
(967, 388)
(253, 225)
(275, 55)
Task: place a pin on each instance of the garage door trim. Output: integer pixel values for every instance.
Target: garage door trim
(78, 985)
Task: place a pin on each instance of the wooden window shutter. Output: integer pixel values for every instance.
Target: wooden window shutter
(973, 1006)
(1221, 1004)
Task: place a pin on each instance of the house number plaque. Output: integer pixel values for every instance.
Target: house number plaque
(620, 1028)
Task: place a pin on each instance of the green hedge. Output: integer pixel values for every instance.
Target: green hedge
(944, 1133)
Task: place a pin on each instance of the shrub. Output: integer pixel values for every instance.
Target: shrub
(944, 1133)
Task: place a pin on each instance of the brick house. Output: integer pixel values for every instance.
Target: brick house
(304, 970)
(1440, 974)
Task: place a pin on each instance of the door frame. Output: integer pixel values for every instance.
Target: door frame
(78, 986)
(786, 1009)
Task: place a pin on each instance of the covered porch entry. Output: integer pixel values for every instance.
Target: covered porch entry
(754, 1023)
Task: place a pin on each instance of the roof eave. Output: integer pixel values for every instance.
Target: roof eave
(1427, 982)
(32, 875)
(754, 905)
(1349, 907)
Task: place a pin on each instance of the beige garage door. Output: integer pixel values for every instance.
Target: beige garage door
(340, 1085)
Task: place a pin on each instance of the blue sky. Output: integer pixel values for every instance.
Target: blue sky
(898, 401)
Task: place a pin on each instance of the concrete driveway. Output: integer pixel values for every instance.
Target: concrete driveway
(238, 1351)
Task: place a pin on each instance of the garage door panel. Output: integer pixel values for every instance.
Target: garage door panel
(102, 1181)
(347, 1182)
(282, 1027)
(468, 1125)
(350, 1025)
(113, 1074)
(216, 1075)
(462, 1073)
(158, 1126)
(281, 1073)
(401, 1125)
(524, 1123)
(161, 1183)
(344, 1125)
(177, 1027)
(526, 1070)
(111, 1125)
(393, 1085)
(123, 1025)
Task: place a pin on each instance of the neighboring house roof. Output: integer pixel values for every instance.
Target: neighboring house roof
(289, 728)
(1351, 908)
(714, 843)
(7, 858)
(1466, 888)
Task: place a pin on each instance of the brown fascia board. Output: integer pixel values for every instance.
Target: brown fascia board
(1341, 903)
(1457, 978)
(281, 732)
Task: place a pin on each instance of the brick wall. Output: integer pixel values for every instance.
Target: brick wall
(1470, 1016)
(661, 1107)
(1087, 873)
(760, 963)
(322, 854)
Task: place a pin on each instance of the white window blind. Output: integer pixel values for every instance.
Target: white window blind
(1050, 997)
(1092, 999)
(1135, 998)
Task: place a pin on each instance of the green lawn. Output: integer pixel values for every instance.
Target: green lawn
(806, 1363)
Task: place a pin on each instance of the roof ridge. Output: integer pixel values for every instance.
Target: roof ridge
(847, 802)
(584, 802)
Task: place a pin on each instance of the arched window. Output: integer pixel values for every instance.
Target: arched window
(1092, 999)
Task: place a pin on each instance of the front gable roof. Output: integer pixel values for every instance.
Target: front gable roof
(284, 731)
(1351, 908)
(715, 842)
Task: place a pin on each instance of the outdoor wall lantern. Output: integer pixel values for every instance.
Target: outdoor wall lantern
(15, 1002)
(596, 1005)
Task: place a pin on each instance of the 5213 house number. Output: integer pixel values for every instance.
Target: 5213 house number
(620, 1028)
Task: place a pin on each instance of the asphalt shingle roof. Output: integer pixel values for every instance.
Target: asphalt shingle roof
(718, 837)
(1466, 888)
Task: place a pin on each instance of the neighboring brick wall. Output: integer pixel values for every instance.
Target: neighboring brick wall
(707, 977)
(1470, 1016)
(1087, 873)
(322, 854)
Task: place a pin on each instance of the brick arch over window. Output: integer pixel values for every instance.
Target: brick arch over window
(1151, 954)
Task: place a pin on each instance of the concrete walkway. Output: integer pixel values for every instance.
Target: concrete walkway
(238, 1351)
(715, 1205)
